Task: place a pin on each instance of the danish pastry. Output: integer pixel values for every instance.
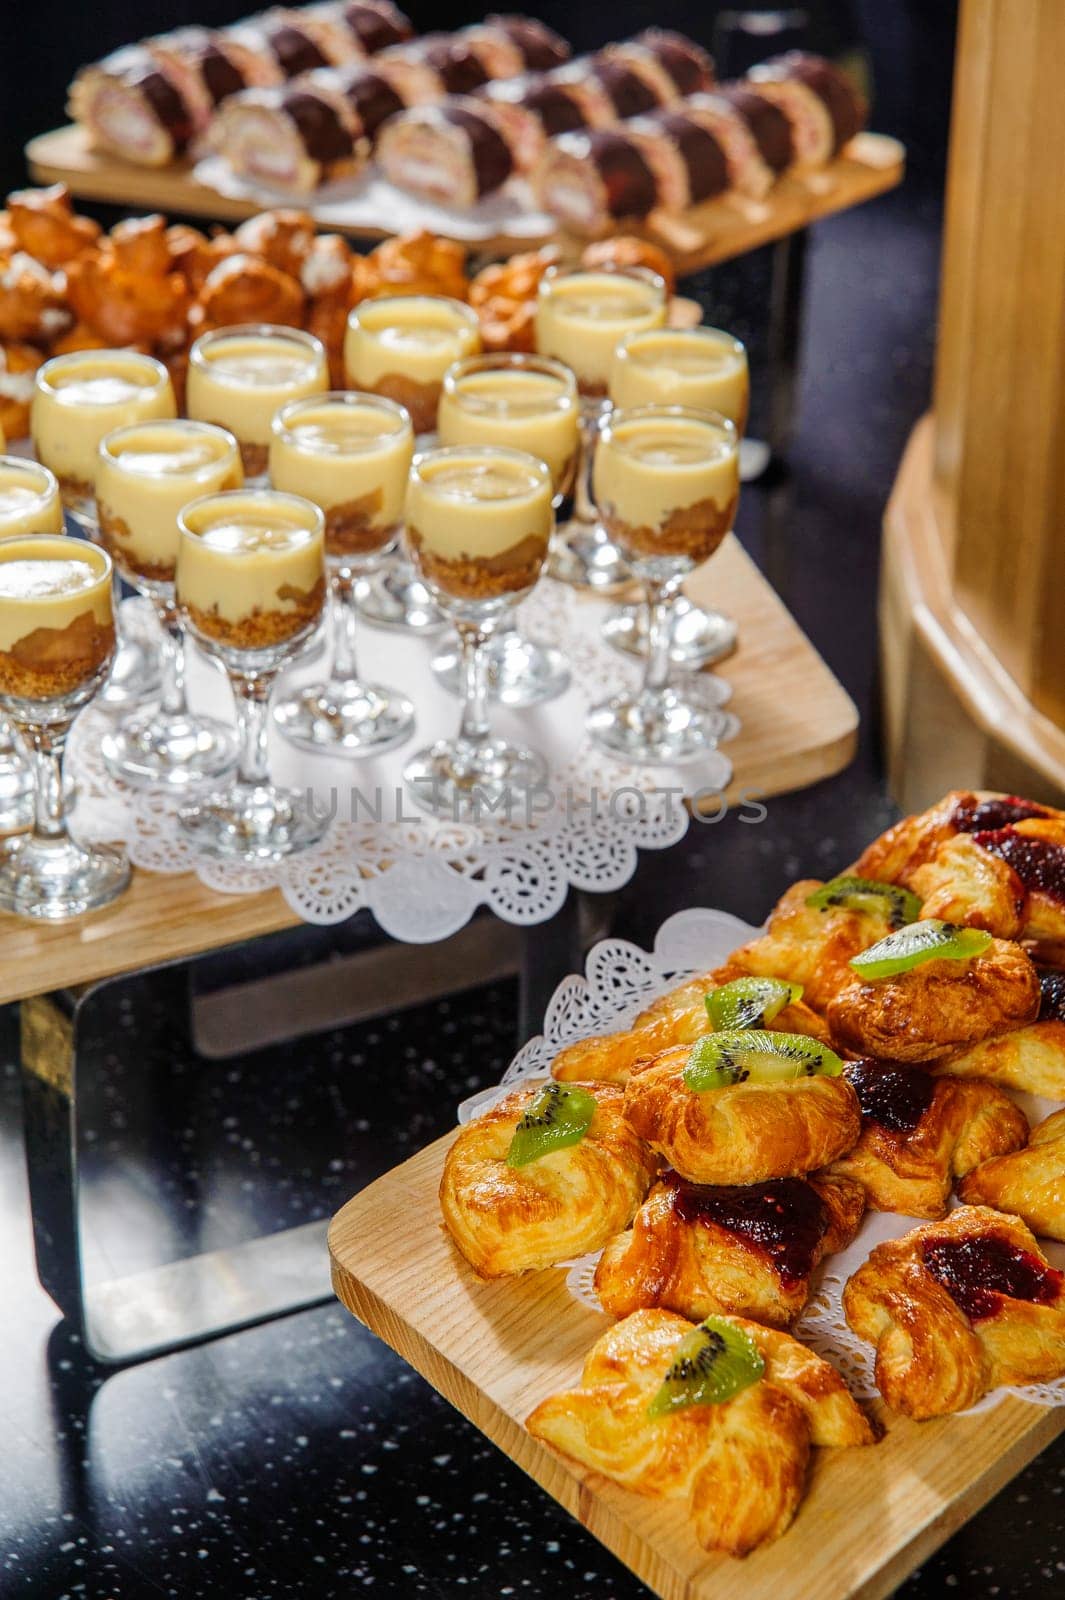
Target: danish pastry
(1028, 1183)
(1031, 1059)
(747, 1249)
(919, 1133)
(956, 1308)
(739, 1462)
(508, 1218)
(745, 1133)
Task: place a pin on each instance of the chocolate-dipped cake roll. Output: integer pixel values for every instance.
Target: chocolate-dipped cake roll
(754, 134)
(208, 67)
(439, 63)
(822, 106)
(510, 45)
(292, 137)
(375, 24)
(371, 95)
(535, 109)
(132, 105)
(454, 153)
(690, 67)
(297, 41)
(688, 162)
(631, 92)
(589, 180)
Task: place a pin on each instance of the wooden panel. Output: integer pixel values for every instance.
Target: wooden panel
(710, 233)
(496, 1349)
(788, 740)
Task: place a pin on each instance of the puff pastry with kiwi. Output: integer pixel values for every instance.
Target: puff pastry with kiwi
(956, 1308)
(1029, 1183)
(739, 1463)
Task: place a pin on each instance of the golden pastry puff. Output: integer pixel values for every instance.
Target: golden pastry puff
(936, 1007)
(745, 1133)
(739, 1466)
(919, 1133)
(565, 1203)
(1031, 1059)
(747, 1249)
(1030, 1183)
(956, 1308)
(810, 945)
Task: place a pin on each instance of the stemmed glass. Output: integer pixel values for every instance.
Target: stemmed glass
(479, 524)
(146, 474)
(29, 503)
(350, 454)
(667, 481)
(528, 403)
(77, 399)
(702, 367)
(251, 588)
(400, 346)
(240, 377)
(581, 314)
(57, 641)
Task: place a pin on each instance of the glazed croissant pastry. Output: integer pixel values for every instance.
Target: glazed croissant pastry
(748, 1249)
(811, 946)
(744, 1133)
(920, 1132)
(1031, 1059)
(739, 1465)
(956, 1308)
(1028, 1183)
(564, 1203)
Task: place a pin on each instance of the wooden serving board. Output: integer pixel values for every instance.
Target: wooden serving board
(713, 232)
(495, 1350)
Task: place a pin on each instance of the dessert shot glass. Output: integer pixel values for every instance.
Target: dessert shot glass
(479, 523)
(29, 503)
(350, 454)
(522, 402)
(400, 346)
(77, 399)
(581, 314)
(240, 377)
(57, 640)
(146, 474)
(666, 481)
(702, 367)
(251, 587)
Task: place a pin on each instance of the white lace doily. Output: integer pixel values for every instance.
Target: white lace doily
(620, 979)
(423, 878)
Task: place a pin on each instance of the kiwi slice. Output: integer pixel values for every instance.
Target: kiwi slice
(710, 1365)
(559, 1116)
(741, 1055)
(750, 1002)
(929, 940)
(896, 905)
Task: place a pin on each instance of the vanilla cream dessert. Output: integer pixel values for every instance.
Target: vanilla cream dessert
(79, 398)
(251, 568)
(582, 315)
(703, 367)
(29, 498)
(667, 482)
(350, 454)
(240, 378)
(479, 521)
(522, 402)
(57, 629)
(147, 474)
(401, 345)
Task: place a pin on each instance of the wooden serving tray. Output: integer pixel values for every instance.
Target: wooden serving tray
(495, 1350)
(710, 233)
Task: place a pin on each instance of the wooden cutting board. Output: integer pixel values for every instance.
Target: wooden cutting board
(496, 1349)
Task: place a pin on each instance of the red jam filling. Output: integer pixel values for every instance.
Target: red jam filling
(1052, 996)
(892, 1094)
(980, 1272)
(995, 814)
(1039, 864)
(785, 1219)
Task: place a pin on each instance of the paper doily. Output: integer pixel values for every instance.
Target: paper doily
(620, 979)
(421, 877)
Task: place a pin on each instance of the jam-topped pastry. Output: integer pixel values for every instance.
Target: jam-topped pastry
(919, 1133)
(549, 1172)
(748, 1249)
(1032, 1058)
(956, 1308)
(720, 1416)
(1028, 1183)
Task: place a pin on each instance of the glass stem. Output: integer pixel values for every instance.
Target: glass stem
(172, 660)
(7, 739)
(660, 596)
(473, 729)
(592, 414)
(345, 615)
(46, 752)
(116, 602)
(251, 695)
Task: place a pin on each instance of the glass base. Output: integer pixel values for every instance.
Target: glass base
(519, 672)
(657, 726)
(252, 823)
(135, 676)
(582, 554)
(397, 598)
(346, 719)
(16, 792)
(700, 638)
(169, 752)
(53, 880)
(495, 779)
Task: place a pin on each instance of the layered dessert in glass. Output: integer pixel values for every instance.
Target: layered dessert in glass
(400, 346)
(240, 377)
